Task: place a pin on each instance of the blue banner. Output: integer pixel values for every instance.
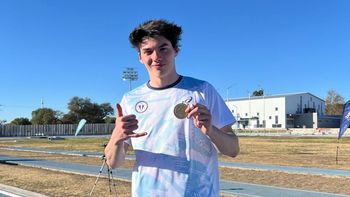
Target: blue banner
(345, 122)
(80, 126)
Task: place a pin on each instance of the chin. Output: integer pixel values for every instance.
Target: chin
(159, 71)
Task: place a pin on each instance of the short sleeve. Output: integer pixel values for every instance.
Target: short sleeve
(221, 114)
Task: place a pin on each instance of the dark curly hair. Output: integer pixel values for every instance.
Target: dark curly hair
(154, 28)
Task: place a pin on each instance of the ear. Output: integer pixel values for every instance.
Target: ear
(177, 50)
(140, 60)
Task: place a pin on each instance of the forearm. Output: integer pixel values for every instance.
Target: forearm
(115, 153)
(225, 140)
(115, 150)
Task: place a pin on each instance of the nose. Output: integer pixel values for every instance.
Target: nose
(156, 56)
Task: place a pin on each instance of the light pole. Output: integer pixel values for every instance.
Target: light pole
(261, 92)
(264, 119)
(131, 75)
(227, 89)
(249, 115)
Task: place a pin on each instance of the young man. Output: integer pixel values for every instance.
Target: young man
(174, 123)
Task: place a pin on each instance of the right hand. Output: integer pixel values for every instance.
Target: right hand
(125, 126)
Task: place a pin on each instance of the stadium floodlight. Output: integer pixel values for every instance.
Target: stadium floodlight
(130, 74)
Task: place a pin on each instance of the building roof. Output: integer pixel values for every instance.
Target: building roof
(272, 96)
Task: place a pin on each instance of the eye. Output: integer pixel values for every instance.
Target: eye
(147, 52)
(163, 49)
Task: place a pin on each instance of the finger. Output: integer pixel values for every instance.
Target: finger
(199, 124)
(203, 117)
(189, 108)
(129, 118)
(202, 122)
(197, 111)
(198, 106)
(130, 127)
(137, 134)
(119, 109)
(202, 110)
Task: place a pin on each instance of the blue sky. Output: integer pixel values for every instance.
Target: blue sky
(59, 49)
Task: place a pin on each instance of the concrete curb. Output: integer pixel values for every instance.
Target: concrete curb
(17, 192)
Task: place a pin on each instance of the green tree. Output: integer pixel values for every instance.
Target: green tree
(3, 122)
(109, 119)
(21, 121)
(45, 116)
(258, 93)
(80, 108)
(334, 103)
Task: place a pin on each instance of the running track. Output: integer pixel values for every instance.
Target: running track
(226, 187)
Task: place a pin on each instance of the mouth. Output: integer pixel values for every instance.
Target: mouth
(157, 66)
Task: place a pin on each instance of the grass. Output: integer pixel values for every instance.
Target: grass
(53, 183)
(289, 180)
(289, 151)
(260, 131)
(81, 144)
(294, 151)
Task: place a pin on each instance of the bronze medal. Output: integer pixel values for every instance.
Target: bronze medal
(179, 111)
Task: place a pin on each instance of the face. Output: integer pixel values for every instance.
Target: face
(158, 55)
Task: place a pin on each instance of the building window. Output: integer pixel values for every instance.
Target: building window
(246, 114)
(270, 117)
(257, 114)
(276, 119)
(298, 109)
(233, 111)
(276, 108)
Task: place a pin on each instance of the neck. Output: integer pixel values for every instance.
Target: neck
(163, 81)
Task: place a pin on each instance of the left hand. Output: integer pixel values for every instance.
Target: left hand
(201, 117)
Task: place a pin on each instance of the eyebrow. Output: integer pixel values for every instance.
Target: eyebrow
(163, 45)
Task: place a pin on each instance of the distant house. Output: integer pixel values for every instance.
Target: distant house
(297, 110)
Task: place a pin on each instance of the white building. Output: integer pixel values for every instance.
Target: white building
(280, 111)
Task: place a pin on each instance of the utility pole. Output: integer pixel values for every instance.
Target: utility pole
(227, 91)
(42, 103)
(2, 121)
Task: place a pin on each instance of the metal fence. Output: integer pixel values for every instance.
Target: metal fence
(54, 130)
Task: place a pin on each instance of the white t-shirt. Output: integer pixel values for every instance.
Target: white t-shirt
(175, 158)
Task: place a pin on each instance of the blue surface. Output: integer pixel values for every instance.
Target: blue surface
(247, 189)
(54, 151)
(289, 169)
(226, 187)
(3, 195)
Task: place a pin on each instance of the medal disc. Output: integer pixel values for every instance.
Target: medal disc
(179, 111)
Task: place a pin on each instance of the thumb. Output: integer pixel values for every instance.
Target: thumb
(119, 109)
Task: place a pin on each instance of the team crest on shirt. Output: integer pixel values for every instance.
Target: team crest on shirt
(141, 106)
(188, 100)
